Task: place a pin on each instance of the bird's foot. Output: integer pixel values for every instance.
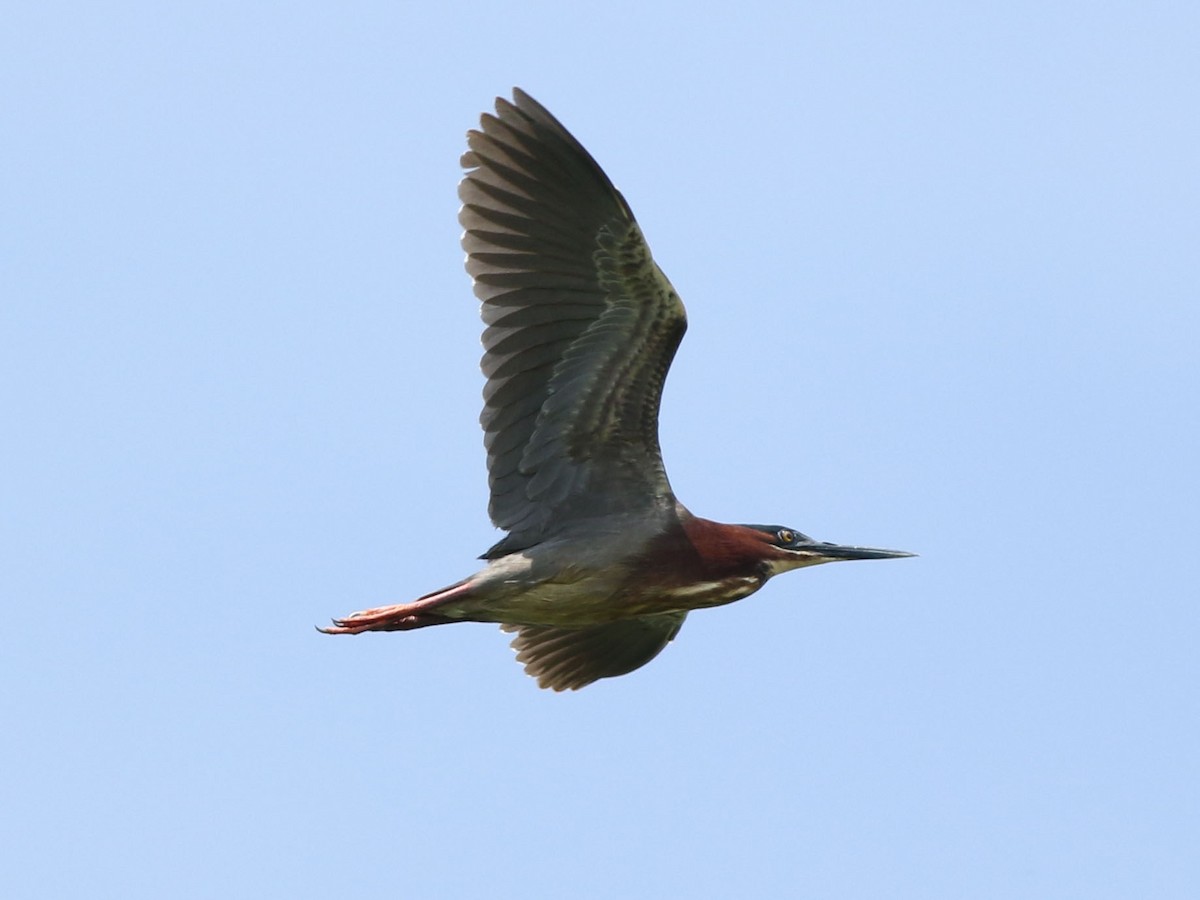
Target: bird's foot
(403, 616)
(400, 617)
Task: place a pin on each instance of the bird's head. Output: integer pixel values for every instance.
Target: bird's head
(784, 549)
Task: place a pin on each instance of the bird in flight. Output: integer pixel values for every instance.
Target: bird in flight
(600, 563)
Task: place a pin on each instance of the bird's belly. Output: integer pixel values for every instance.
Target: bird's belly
(567, 605)
(519, 590)
(596, 601)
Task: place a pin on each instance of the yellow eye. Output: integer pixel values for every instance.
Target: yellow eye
(785, 536)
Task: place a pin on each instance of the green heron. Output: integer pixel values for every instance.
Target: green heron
(600, 564)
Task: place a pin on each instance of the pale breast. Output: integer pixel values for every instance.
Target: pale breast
(713, 593)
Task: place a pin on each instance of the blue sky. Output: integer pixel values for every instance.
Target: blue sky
(941, 267)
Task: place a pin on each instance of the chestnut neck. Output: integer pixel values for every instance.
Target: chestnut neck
(726, 551)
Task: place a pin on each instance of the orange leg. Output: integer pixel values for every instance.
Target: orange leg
(401, 616)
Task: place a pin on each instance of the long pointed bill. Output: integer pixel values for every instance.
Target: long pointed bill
(841, 551)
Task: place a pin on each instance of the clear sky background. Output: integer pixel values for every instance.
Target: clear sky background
(942, 264)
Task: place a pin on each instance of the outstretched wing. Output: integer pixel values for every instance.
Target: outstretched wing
(570, 658)
(581, 327)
